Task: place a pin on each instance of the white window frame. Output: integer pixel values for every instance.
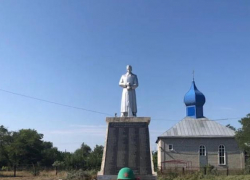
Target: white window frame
(172, 147)
(221, 146)
(204, 149)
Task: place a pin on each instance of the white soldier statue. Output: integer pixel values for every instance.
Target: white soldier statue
(129, 83)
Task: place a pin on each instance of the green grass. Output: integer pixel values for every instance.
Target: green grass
(197, 176)
(89, 175)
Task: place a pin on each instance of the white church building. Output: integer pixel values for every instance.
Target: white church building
(196, 141)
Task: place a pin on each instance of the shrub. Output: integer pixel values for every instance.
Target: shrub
(81, 175)
(5, 168)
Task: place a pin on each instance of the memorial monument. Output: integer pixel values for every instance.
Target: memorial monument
(128, 82)
(127, 140)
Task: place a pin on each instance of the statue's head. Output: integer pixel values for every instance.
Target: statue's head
(129, 68)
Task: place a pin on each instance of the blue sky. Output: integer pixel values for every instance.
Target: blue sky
(74, 52)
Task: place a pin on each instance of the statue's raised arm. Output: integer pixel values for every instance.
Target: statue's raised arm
(129, 83)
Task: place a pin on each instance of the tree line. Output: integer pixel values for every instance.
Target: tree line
(26, 147)
(243, 138)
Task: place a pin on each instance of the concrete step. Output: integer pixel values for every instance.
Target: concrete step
(114, 177)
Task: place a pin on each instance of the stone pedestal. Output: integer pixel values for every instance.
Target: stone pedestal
(127, 145)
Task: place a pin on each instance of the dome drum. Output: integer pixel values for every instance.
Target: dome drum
(194, 101)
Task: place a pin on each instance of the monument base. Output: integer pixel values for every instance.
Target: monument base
(114, 177)
(127, 145)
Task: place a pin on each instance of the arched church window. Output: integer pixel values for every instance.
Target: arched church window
(202, 150)
(222, 155)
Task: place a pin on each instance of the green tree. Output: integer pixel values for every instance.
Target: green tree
(28, 144)
(25, 148)
(79, 159)
(50, 154)
(243, 137)
(68, 160)
(58, 164)
(85, 149)
(231, 127)
(5, 141)
(95, 158)
(155, 158)
(243, 134)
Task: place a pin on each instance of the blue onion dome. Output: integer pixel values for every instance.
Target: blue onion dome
(194, 96)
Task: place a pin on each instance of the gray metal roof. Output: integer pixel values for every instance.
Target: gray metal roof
(202, 127)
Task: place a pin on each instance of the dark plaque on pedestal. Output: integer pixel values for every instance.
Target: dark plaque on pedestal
(111, 160)
(145, 164)
(127, 145)
(122, 148)
(133, 159)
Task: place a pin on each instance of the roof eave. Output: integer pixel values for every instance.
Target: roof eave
(165, 137)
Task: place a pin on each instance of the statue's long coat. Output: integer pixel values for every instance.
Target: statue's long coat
(128, 103)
